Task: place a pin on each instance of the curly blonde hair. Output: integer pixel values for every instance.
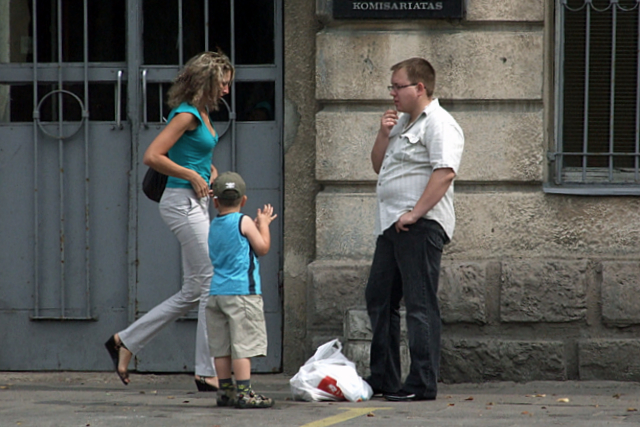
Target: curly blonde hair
(199, 81)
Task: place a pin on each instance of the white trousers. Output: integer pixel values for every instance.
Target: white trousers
(188, 218)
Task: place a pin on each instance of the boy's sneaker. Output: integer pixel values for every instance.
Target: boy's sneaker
(226, 397)
(252, 400)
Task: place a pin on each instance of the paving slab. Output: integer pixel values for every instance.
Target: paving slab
(98, 399)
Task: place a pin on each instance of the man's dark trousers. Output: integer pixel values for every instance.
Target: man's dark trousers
(406, 263)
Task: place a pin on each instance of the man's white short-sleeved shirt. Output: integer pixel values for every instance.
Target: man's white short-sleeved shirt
(433, 141)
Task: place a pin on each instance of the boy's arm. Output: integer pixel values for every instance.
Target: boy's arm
(258, 232)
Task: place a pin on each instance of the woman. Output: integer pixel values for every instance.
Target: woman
(183, 151)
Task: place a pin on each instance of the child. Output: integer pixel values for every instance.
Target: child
(235, 317)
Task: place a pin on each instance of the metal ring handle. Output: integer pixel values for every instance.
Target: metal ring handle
(37, 116)
(231, 117)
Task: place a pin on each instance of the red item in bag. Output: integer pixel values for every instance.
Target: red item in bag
(330, 386)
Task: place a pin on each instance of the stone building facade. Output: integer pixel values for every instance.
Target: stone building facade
(534, 286)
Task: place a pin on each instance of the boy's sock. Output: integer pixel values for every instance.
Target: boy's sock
(226, 384)
(244, 386)
(226, 393)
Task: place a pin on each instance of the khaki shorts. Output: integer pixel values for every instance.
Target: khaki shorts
(236, 326)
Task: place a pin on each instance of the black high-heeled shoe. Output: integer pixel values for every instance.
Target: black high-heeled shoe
(203, 385)
(114, 351)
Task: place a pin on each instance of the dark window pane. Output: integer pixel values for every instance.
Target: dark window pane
(107, 31)
(105, 27)
(157, 109)
(610, 117)
(220, 25)
(222, 115)
(255, 101)
(193, 28)
(19, 105)
(160, 34)
(254, 32)
(18, 23)
(102, 99)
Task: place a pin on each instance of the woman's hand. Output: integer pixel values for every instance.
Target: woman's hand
(199, 185)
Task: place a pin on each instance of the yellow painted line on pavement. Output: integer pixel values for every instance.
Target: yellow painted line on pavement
(345, 416)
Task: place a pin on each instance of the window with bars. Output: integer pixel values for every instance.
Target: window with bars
(597, 149)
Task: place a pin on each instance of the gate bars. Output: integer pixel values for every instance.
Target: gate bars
(558, 156)
(84, 123)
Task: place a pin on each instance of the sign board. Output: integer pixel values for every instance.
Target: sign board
(403, 9)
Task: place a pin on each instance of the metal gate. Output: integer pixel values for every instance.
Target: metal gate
(82, 252)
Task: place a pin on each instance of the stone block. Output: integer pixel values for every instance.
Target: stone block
(344, 225)
(357, 326)
(609, 359)
(466, 360)
(499, 146)
(470, 64)
(505, 10)
(359, 352)
(620, 290)
(530, 224)
(335, 287)
(462, 292)
(496, 224)
(538, 291)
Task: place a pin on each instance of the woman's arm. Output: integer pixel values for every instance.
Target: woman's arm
(156, 155)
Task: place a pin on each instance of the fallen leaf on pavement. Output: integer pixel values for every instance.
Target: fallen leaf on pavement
(452, 404)
(563, 400)
(469, 398)
(632, 410)
(371, 414)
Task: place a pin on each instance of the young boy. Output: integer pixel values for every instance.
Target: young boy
(235, 317)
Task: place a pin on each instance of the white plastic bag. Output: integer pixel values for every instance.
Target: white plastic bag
(329, 375)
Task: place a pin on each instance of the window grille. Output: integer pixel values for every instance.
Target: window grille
(597, 148)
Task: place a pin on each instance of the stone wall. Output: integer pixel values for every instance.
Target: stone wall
(533, 286)
(300, 186)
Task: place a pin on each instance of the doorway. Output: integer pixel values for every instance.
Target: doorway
(82, 94)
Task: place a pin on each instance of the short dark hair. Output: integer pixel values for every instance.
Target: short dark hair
(419, 70)
(230, 203)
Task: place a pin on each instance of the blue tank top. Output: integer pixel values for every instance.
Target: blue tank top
(193, 150)
(236, 270)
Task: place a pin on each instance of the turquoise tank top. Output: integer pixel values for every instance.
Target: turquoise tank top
(194, 149)
(236, 270)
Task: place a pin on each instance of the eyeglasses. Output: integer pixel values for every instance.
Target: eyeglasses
(396, 88)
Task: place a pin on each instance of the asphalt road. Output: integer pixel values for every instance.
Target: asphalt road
(69, 399)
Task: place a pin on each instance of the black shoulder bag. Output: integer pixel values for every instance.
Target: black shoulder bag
(153, 184)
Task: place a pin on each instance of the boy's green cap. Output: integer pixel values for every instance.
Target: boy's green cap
(229, 186)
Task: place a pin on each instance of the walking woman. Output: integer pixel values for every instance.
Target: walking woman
(183, 151)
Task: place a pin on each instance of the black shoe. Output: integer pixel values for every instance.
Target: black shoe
(203, 385)
(406, 396)
(377, 392)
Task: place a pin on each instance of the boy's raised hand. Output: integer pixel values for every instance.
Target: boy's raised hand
(265, 216)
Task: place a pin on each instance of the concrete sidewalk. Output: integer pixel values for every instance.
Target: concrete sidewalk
(68, 399)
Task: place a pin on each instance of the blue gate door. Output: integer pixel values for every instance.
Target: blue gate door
(82, 252)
